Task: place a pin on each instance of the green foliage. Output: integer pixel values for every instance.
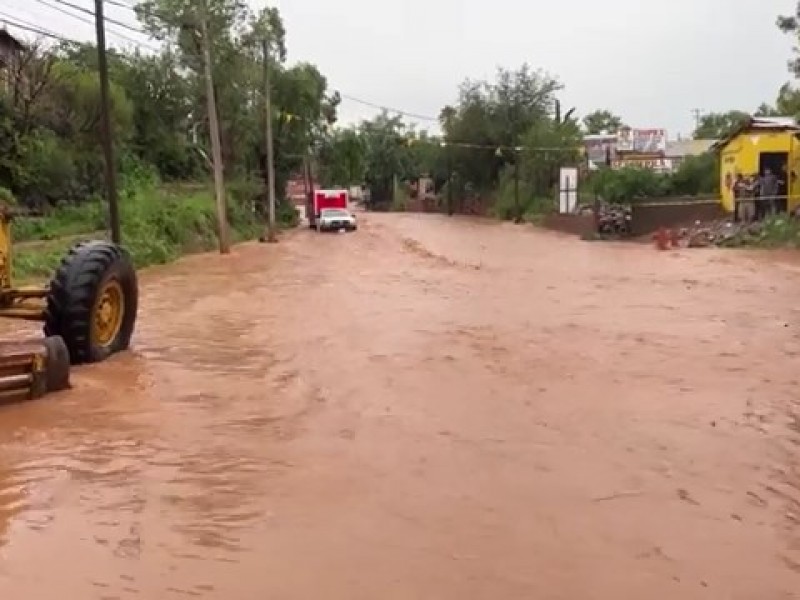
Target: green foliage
(696, 175)
(159, 226)
(496, 114)
(6, 197)
(387, 156)
(787, 104)
(602, 121)
(531, 205)
(715, 126)
(342, 158)
(629, 184)
(49, 130)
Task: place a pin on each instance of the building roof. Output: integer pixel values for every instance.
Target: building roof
(761, 123)
(681, 148)
(10, 40)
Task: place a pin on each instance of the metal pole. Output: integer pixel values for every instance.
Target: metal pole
(216, 145)
(271, 229)
(105, 125)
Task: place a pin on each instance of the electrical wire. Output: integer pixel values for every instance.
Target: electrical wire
(90, 12)
(14, 21)
(110, 30)
(389, 108)
(118, 3)
(7, 17)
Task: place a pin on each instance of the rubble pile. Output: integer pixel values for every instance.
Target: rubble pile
(722, 232)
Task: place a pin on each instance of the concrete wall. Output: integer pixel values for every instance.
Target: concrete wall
(580, 225)
(648, 217)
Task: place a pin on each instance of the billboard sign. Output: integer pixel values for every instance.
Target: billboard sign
(598, 147)
(625, 140)
(642, 141)
(649, 141)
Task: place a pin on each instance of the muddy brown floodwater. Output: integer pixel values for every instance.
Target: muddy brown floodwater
(430, 408)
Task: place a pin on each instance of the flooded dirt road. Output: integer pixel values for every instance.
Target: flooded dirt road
(430, 408)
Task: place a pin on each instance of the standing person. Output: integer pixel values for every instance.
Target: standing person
(749, 203)
(783, 190)
(769, 191)
(738, 196)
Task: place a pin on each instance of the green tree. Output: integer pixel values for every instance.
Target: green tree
(602, 121)
(342, 157)
(790, 24)
(495, 115)
(715, 126)
(787, 104)
(387, 158)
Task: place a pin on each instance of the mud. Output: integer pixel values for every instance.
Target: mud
(429, 408)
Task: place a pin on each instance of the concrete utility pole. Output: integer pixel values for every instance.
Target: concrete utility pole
(216, 146)
(105, 125)
(271, 228)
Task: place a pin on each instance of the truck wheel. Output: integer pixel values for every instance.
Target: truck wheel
(92, 302)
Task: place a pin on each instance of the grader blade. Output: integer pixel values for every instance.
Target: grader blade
(32, 368)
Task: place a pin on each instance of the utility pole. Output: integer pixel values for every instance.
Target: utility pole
(105, 125)
(517, 207)
(216, 146)
(450, 181)
(271, 229)
(698, 115)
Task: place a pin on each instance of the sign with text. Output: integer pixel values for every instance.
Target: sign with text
(642, 141)
(653, 163)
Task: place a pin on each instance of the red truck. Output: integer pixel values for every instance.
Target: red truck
(320, 200)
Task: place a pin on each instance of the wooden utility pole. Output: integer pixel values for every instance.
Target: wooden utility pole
(271, 229)
(517, 206)
(216, 146)
(105, 125)
(450, 181)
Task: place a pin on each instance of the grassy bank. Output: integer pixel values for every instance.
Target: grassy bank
(159, 224)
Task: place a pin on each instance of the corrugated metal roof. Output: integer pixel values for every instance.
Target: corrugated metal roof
(773, 123)
(764, 123)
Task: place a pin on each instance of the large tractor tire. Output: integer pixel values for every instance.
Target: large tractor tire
(92, 303)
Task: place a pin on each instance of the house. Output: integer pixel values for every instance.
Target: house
(679, 149)
(10, 53)
(643, 148)
(758, 144)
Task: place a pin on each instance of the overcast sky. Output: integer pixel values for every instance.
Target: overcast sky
(650, 62)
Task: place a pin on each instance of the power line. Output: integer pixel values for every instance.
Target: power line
(118, 3)
(36, 30)
(389, 108)
(7, 18)
(91, 21)
(90, 12)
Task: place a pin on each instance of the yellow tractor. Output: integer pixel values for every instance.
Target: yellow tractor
(88, 310)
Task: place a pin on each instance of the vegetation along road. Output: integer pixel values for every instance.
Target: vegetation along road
(450, 409)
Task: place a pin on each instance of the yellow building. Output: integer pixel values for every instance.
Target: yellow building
(761, 143)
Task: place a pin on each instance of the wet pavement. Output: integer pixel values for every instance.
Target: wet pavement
(430, 408)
